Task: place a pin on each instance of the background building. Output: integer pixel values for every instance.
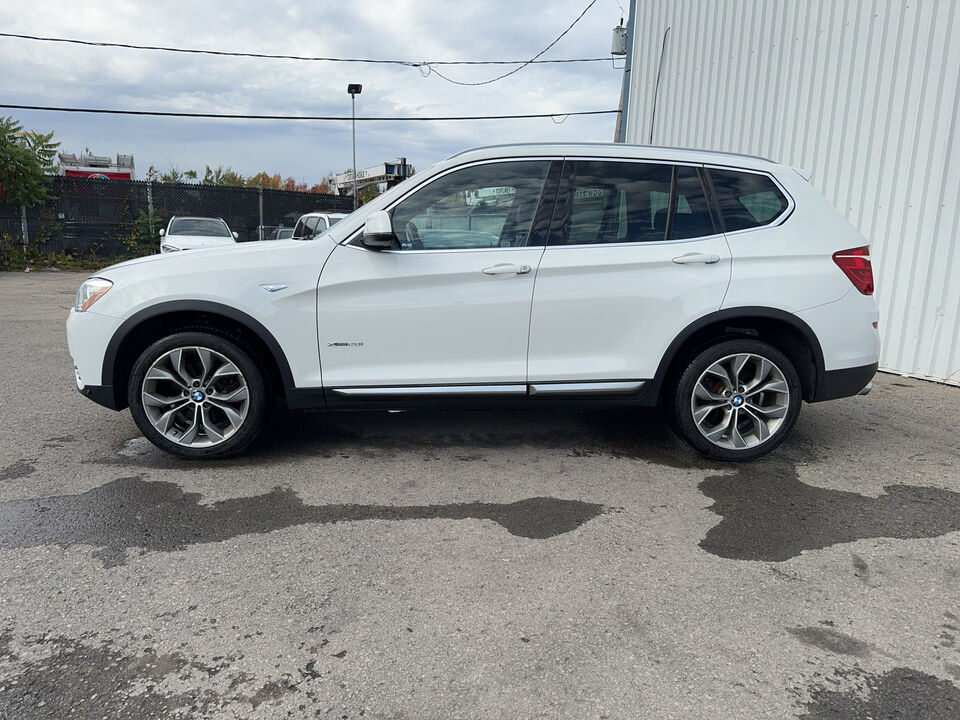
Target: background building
(863, 93)
(97, 167)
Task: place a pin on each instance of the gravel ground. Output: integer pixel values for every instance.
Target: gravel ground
(470, 564)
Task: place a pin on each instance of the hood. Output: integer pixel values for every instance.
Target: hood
(212, 252)
(191, 242)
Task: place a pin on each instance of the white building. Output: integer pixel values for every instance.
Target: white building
(863, 93)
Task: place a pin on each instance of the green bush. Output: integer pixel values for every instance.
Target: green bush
(14, 255)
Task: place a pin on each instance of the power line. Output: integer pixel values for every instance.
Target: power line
(517, 69)
(308, 58)
(230, 116)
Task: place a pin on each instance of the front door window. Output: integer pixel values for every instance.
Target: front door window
(484, 206)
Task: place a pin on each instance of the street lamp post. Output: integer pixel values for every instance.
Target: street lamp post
(354, 90)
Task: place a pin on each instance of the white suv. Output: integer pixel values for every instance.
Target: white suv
(315, 223)
(191, 233)
(722, 287)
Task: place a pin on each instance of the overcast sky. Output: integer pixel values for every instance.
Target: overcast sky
(39, 73)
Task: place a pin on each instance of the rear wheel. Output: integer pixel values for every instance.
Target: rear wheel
(736, 400)
(197, 395)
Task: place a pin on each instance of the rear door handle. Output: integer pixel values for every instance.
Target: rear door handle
(697, 258)
(508, 269)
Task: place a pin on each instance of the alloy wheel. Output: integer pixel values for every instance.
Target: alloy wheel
(195, 396)
(740, 401)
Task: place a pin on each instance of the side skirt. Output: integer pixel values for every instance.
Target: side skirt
(600, 393)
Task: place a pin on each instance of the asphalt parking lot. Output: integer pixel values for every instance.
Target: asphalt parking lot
(470, 565)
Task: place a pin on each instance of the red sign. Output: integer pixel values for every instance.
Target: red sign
(97, 175)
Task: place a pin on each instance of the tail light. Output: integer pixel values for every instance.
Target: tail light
(855, 264)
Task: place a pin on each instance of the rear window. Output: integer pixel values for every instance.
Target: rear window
(747, 200)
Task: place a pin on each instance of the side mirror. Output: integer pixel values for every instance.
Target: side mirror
(162, 232)
(378, 231)
(235, 236)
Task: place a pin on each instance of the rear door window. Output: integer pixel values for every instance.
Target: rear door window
(628, 202)
(747, 200)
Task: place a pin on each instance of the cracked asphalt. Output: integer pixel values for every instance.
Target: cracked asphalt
(580, 564)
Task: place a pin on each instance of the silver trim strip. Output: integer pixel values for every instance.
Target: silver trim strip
(585, 387)
(433, 390)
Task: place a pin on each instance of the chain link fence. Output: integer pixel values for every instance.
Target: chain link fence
(90, 218)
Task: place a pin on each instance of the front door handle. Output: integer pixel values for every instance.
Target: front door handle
(508, 269)
(697, 258)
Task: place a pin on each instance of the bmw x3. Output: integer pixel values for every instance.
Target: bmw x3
(720, 287)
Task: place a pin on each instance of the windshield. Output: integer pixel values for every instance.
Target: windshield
(207, 227)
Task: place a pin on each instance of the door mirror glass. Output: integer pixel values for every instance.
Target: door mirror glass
(378, 231)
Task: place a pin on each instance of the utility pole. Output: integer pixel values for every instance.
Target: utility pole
(354, 89)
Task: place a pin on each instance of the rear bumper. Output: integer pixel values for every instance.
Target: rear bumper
(102, 395)
(845, 382)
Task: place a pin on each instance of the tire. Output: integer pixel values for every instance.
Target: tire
(198, 396)
(739, 423)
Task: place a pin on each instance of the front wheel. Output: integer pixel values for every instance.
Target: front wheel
(736, 400)
(197, 395)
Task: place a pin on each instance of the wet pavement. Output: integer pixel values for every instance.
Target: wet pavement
(470, 564)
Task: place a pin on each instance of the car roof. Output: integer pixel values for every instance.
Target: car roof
(616, 150)
(196, 217)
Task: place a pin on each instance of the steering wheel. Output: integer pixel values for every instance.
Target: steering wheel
(413, 235)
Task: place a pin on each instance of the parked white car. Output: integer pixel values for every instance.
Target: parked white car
(723, 288)
(190, 233)
(315, 223)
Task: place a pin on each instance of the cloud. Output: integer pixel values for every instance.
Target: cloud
(50, 74)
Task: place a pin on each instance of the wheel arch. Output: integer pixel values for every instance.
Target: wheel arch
(784, 330)
(147, 326)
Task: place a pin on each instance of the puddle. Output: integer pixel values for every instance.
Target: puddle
(135, 447)
(154, 515)
(895, 695)
(768, 514)
(21, 468)
(79, 680)
(831, 641)
(70, 677)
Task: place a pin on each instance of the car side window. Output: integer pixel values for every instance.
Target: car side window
(691, 217)
(321, 225)
(746, 200)
(483, 206)
(298, 229)
(627, 202)
(310, 226)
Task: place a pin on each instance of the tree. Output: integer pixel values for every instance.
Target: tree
(368, 193)
(26, 158)
(175, 175)
(222, 176)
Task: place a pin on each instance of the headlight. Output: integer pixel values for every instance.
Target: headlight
(91, 291)
(169, 248)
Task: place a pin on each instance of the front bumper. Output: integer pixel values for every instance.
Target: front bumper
(88, 335)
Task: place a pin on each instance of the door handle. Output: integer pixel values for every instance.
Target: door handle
(697, 258)
(509, 269)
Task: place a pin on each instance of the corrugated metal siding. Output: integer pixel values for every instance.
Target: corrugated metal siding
(866, 95)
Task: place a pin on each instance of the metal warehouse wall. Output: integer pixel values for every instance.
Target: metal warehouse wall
(865, 94)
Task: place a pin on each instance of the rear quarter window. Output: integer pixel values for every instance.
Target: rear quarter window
(747, 200)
